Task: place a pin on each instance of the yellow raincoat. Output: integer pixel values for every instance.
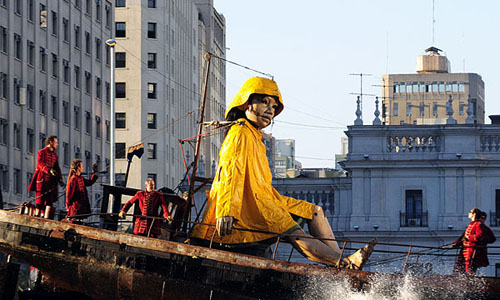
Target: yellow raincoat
(242, 187)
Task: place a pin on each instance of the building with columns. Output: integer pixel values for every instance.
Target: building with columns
(54, 80)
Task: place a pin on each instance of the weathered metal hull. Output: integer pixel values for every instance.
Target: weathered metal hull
(105, 264)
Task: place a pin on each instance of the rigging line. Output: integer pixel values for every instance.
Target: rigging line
(242, 66)
(308, 125)
(316, 158)
(316, 116)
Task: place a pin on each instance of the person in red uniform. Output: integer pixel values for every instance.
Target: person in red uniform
(77, 200)
(47, 175)
(476, 236)
(149, 201)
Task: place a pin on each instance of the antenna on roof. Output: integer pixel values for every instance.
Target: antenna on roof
(361, 90)
(433, 22)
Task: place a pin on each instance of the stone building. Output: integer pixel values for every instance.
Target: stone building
(160, 73)
(422, 98)
(54, 80)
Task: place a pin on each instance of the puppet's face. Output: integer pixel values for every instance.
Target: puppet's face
(261, 110)
(150, 185)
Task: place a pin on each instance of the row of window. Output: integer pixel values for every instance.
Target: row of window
(121, 60)
(17, 180)
(30, 11)
(123, 3)
(422, 107)
(121, 90)
(121, 150)
(121, 30)
(121, 120)
(428, 87)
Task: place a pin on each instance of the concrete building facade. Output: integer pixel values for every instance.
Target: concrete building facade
(159, 85)
(54, 80)
(422, 98)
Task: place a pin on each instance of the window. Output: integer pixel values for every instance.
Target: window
(88, 122)
(55, 71)
(98, 127)
(120, 120)
(120, 179)
(98, 49)
(152, 176)
(414, 87)
(4, 85)
(152, 30)
(422, 109)
(497, 270)
(454, 87)
(151, 90)
(120, 29)
(98, 87)
(461, 88)
(77, 36)
(88, 7)
(414, 215)
(395, 109)
(43, 16)
(18, 7)
(55, 107)
(98, 10)
(422, 87)
(434, 87)
(461, 106)
(65, 29)
(4, 132)
(151, 3)
(29, 177)
(43, 102)
(31, 53)
(120, 90)
(152, 60)
(108, 92)
(18, 47)
(408, 109)
(66, 112)
(43, 60)
(408, 88)
(88, 82)
(65, 154)
(108, 130)
(54, 23)
(120, 59)
(77, 77)
(88, 46)
(17, 136)
(434, 108)
(30, 96)
(17, 91)
(151, 151)
(30, 140)
(30, 10)
(119, 150)
(41, 138)
(76, 110)
(107, 8)
(151, 121)
(17, 181)
(4, 172)
(66, 71)
(441, 87)
(448, 87)
(120, 3)
(3, 36)
(108, 54)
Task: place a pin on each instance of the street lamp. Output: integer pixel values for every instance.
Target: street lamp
(112, 43)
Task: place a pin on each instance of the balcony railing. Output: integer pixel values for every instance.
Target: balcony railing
(494, 219)
(414, 220)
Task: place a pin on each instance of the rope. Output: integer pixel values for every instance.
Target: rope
(242, 66)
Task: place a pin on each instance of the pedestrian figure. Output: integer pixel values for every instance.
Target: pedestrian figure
(77, 200)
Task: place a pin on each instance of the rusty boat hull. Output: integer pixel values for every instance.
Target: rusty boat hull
(104, 264)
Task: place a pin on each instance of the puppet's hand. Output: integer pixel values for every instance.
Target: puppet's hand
(224, 225)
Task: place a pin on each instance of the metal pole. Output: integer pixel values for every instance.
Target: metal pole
(111, 43)
(406, 260)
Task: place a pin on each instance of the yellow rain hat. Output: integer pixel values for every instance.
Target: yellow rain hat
(256, 85)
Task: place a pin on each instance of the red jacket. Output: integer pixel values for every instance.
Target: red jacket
(77, 200)
(477, 234)
(148, 204)
(42, 180)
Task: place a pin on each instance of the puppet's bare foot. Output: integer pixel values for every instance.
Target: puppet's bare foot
(360, 257)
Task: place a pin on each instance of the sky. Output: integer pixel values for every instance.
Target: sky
(311, 47)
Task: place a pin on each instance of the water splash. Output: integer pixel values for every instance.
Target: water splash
(382, 287)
